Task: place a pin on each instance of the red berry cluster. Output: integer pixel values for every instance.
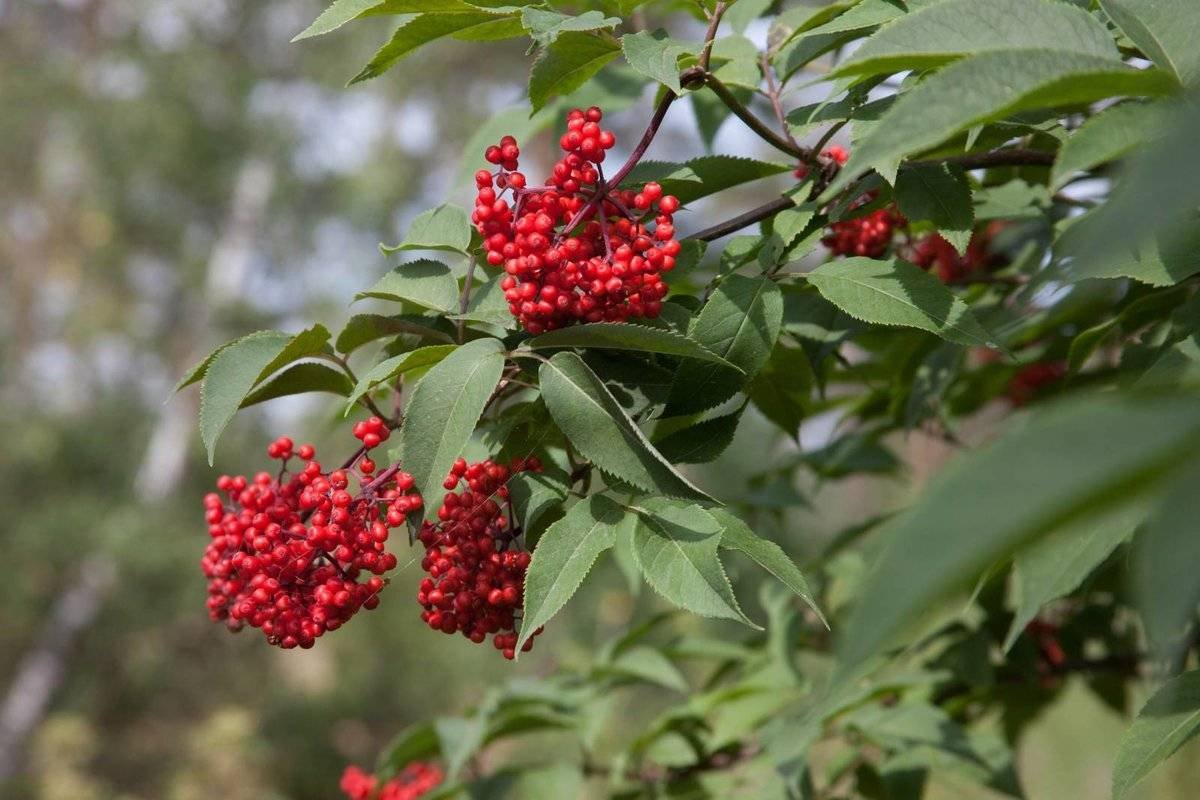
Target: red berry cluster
(933, 252)
(1031, 379)
(417, 779)
(834, 154)
(577, 248)
(476, 577)
(287, 551)
(870, 235)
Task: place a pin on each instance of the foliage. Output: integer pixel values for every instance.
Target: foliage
(1052, 143)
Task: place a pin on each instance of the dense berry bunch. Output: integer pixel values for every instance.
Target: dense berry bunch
(287, 551)
(416, 780)
(576, 248)
(476, 575)
(934, 253)
(870, 235)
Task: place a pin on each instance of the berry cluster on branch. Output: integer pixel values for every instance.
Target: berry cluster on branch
(297, 554)
(476, 579)
(576, 248)
(414, 781)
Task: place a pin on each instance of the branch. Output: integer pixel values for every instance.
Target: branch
(710, 36)
(752, 122)
(765, 211)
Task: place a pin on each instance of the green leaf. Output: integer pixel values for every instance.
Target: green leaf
(898, 293)
(447, 227)
(443, 410)
(701, 442)
(1106, 137)
(427, 283)
(389, 368)
(600, 429)
(534, 494)
(298, 379)
(703, 176)
(937, 193)
(458, 740)
(782, 389)
(1055, 565)
(866, 14)
(649, 665)
(736, 535)
(415, 743)
(1164, 583)
(1026, 483)
(743, 12)
(421, 30)
(544, 26)
(944, 31)
(342, 11)
(656, 55)
(1163, 259)
(564, 556)
(570, 62)
(740, 322)
(988, 87)
(1165, 30)
(620, 336)
(365, 328)
(676, 548)
(1169, 718)
(487, 304)
(240, 366)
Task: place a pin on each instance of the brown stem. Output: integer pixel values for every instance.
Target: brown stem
(465, 298)
(710, 36)
(1010, 157)
(765, 211)
(773, 94)
(753, 122)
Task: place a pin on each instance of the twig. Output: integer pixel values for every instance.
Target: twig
(1010, 157)
(465, 298)
(765, 211)
(753, 122)
(710, 36)
(773, 95)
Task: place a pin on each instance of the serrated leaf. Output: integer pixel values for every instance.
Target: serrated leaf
(736, 535)
(1165, 30)
(701, 442)
(735, 61)
(866, 14)
(940, 194)
(1108, 136)
(1165, 590)
(427, 283)
(1031, 480)
(570, 62)
(389, 368)
(564, 556)
(443, 411)
(1162, 259)
(898, 293)
(944, 31)
(988, 87)
(647, 664)
(705, 175)
(240, 366)
(600, 429)
(656, 55)
(421, 30)
(1055, 565)
(740, 322)
(342, 11)
(298, 379)
(1169, 718)
(545, 26)
(447, 227)
(782, 389)
(487, 304)
(621, 336)
(743, 12)
(676, 548)
(364, 328)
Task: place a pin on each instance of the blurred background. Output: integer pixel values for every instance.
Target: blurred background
(174, 173)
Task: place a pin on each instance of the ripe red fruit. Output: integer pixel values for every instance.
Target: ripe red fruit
(575, 249)
(476, 568)
(870, 235)
(415, 780)
(287, 552)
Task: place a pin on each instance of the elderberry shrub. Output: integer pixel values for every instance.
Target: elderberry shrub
(476, 572)
(576, 248)
(287, 552)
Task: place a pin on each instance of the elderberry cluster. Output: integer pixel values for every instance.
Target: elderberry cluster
(576, 248)
(869, 235)
(933, 252)
(476, 575)
(414, 781)
(287, 551)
